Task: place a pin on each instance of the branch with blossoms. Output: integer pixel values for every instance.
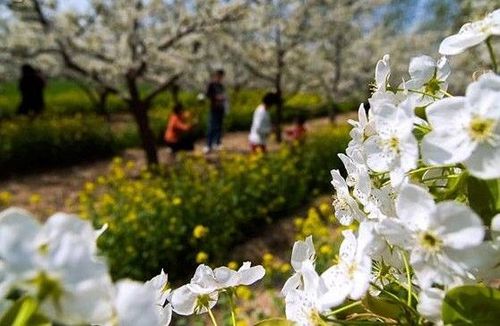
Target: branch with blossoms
(420, 203)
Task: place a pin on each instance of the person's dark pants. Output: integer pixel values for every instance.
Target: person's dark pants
(215, 128)
(184, 144)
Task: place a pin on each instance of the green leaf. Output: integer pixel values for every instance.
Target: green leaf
(484, 197)
(24, 312)
(471, 305)
(274, 322)
(384, 307)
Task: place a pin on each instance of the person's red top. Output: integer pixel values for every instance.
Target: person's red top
(297, 132)
(175, 128)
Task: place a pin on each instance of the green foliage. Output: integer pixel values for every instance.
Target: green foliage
(471, 305)
(24, 313)
(198, 210)
(484, 197)
(26, 143)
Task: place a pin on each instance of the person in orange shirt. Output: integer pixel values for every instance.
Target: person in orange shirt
(177, 136)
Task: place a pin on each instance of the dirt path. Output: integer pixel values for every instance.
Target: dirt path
(54, 190)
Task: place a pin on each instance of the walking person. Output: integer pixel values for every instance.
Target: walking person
(216, 93)
(31, 87)
(261, 123)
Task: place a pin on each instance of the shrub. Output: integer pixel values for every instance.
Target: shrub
(29, 143)
(154, 219)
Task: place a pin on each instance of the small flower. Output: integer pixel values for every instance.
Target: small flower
(232, 265)
(35, 199)
(177, 201)
(471, 34)
(428, 79)
(202, 292)
(200, 232)
(351, 276)
(394, 149)
(302, 253)
(201, 257)
(346, 207)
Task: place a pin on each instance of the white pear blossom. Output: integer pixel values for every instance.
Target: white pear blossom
(304, 306)
(429, 305)
(202, 292)
(159, 284)
(394, 149)
(303, 252)
(54, 262)
(382, 74)
(136, 305)
(357, 175)
(381, 92)
(428, 79)
(351, 276)
(467, 129)
(436, 235)
(362, 129)
(471, 34)
(346, 208)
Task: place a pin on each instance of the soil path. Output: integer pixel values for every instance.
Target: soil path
(54, 190)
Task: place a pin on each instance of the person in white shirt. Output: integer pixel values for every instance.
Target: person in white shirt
(261, 124)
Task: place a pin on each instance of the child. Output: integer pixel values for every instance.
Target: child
(261, 124)
(298, 131)
(177, 133)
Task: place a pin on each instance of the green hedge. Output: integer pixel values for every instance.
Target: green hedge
(198, 208)
(27, 144)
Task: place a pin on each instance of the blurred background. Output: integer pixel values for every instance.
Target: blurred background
(88, 87)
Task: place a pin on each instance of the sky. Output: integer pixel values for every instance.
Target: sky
(73, 4)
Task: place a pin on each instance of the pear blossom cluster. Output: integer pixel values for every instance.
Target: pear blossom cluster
(57, 265)
(406, 212)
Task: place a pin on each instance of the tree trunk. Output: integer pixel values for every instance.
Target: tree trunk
(336, 78)
(102, 105)
(279, 112)
(174, 90)
(140, 112)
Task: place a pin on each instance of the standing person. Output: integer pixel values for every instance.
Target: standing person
(31, 87)
(177, 135)
(216, 93)
(261, 123)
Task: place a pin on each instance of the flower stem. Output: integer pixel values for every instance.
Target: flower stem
(492, 55)
(344, 308)
(212, 317)
(408, 277)
(231, 304)
(445, 93)
(425, 168)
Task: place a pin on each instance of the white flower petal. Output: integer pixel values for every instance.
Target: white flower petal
(484, 163)
(459, 226)
(415, 207)
(458, 43)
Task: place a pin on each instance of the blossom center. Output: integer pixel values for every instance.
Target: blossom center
(481, 129)
(432, 86)
(393, 144)
(430, 241)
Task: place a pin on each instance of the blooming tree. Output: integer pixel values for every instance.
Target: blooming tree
(135, 50)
